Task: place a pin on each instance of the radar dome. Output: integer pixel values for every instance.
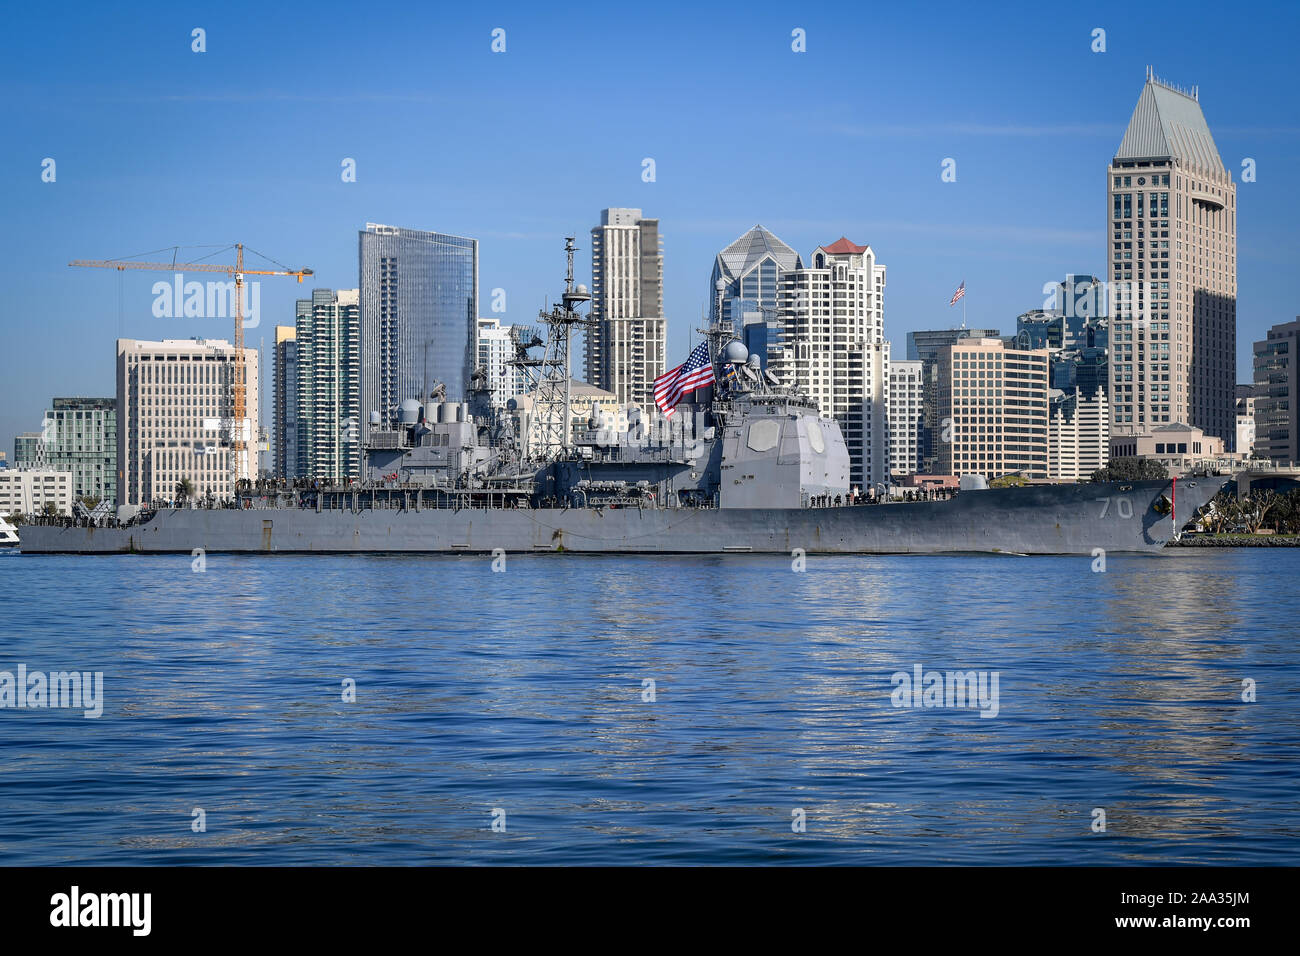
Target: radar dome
(409, 412)
(582, 289)
(755, 361)
(736, 352)
(720, 284)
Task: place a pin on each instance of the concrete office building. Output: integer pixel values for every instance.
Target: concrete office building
(26, 491)
(924, 346)
(1172, 265)
(993, 410)
(174, 418)
(626, 342)
(1277, 394)
(1178, 446)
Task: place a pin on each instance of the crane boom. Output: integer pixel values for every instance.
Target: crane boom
(238, 381)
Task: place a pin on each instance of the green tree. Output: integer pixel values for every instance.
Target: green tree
(184, 489)
(1257, 509)
(1131, 469)
(1282, 514)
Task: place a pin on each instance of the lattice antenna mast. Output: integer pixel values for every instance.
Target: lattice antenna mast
(548, 433)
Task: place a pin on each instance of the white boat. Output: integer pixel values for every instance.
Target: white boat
(8, 534)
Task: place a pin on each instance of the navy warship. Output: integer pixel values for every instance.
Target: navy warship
(747, 466)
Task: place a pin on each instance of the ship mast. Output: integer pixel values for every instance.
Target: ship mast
(548, 432)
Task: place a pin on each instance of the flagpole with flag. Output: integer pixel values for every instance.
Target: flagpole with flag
(675, 384)
(960, 294)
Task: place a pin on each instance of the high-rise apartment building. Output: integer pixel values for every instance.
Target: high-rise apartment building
(906, 416)
(1172, 263)
(327, 333)
(993, 410)
(418, 315)
(284, 398)
(29, 450)
(79, 435)
(495, 353)
(832, 345)
(1277, 394)
(626, 341)
(174, 418)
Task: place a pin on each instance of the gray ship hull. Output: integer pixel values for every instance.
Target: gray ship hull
(1039, 519)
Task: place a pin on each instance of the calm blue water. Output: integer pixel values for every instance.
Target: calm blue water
(523, 691)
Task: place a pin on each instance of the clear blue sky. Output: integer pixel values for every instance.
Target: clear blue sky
(157, 145)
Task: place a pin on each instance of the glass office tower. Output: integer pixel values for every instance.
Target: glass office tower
(419, 315)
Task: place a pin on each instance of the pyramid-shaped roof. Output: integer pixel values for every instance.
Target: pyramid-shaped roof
(843, 246)
(1168, 124)
(741, 256)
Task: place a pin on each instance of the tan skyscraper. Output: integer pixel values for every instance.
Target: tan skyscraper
(625, 344)
(1172, 234)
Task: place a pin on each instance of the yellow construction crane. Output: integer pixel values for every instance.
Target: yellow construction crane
(238, 384)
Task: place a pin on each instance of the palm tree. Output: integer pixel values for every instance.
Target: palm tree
(184, 489)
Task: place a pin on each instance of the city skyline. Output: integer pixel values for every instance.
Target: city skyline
(136, 190)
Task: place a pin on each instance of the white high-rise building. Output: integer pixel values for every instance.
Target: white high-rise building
(625, 345)
(174, 408)
(1078, 435)
(906, 411)
(495, 352)
(832, 345)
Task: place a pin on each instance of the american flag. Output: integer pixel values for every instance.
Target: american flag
(961, 291)
(694, 373)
